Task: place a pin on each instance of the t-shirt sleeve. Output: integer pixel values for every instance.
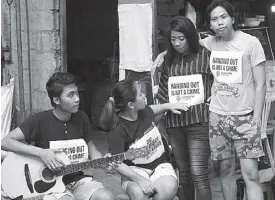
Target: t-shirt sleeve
(149, 112)
(88, 132)
(116, 140)
(31, 128)
(207, 42)
(257, 54)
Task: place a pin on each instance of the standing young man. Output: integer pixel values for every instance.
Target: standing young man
(237, 98)
(57, 128)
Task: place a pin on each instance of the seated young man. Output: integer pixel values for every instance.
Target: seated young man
(63, 124)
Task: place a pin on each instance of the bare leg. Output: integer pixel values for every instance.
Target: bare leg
(251, 178)
(228, 182)
(166, 188)
(66, 197)
(50, 197)
(135, 192)
(102, 194)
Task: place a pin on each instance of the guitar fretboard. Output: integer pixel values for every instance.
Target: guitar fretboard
(91, 163)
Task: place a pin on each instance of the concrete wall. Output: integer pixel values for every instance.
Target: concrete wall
(41, 49)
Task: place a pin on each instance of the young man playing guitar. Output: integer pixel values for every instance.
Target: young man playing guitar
(63, 124)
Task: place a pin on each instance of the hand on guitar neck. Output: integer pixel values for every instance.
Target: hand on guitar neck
(110, 169)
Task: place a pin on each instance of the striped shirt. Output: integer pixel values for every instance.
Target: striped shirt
(181, 66)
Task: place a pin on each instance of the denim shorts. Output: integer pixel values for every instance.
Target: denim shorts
(234, 133)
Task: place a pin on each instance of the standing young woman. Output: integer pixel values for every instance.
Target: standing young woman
(188, 132)
(127, 118)
(238, 93)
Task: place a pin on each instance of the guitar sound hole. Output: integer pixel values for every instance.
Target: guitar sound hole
(47, 174)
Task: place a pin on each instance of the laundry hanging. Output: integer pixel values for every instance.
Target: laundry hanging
(135, 36)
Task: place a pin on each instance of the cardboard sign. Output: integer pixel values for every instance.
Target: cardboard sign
(152, 139)
(76, 150)
(226, 66)
(186, 89)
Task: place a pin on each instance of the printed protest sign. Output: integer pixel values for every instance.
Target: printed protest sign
(226, 66)
(152, 139)
(186, 89)
(76, 150)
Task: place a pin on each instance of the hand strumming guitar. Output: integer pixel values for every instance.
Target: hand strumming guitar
(50, 159)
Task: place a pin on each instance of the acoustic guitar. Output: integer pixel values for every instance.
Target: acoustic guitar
(27, 177)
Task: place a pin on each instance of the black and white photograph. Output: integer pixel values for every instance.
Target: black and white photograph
(137, 100)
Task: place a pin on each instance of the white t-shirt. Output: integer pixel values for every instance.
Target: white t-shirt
(235, 98)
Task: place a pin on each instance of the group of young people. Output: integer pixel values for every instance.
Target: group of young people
(231, 123)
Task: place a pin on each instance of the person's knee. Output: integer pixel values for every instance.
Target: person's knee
(166, 195)
(134, 191)
(227, 167)
(66, 197)
(249, 169)
(167, 191)
(251, 175)
(49, 197)
(201, 181)
(102, 194)
(200, 173)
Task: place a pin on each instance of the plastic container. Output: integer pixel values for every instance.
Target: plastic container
(271, 122)
(251, 22)
(260, 18)
(251, 19)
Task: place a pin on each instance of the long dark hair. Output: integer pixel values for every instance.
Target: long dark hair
(123, 92)
(185, 26)
(224, 4)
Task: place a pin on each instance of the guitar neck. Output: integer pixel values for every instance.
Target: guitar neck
(91, 164)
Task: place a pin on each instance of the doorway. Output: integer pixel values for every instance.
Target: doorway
(92, 51)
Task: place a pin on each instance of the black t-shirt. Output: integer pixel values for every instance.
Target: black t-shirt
(127, 132)
(43, 127)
